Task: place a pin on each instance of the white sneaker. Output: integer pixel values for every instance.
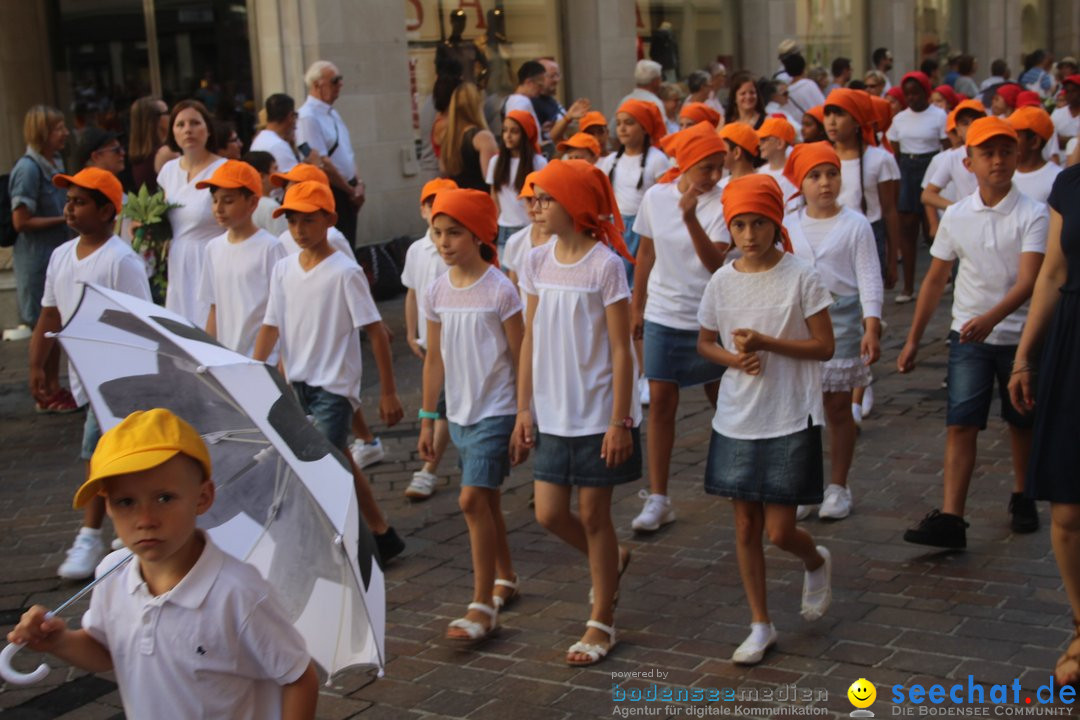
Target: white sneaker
(753, 648)
(22, 332)
(422, 485)
(643, 389)
(837, 503)
(904, 298)
(803, 511)
(657, 512)
(365, 454)
(856, 412)
(815, 603)
(82, 557)
(868, 400)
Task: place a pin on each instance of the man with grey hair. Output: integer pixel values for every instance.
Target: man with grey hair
(648, 76)
(320, 126)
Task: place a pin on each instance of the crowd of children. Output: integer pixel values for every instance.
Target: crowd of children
(550, 310)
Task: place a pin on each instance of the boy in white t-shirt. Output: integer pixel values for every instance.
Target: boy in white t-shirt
(266, 165)
(423, 266)
(94, 199)
(947, 178)
(999, 236)
(318, 301)
(237, 265)
(1034, 175)
(189, 631)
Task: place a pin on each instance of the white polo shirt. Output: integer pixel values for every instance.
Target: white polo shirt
(320, 126)
(333, 236)
(218, 645)
(988, 242)
(269, 141)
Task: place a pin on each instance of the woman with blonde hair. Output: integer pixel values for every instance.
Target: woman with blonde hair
(467, 144)
(147, 150)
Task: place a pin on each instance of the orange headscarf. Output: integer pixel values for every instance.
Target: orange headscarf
(860, 107)
(742, 135)
(689, 147)
(528, 126)
(776, 127)
(590, 119)
(648, 117)
(804, 158)
(475, 210)
(700, 112)
(988, 127)
(434, 187)
(759, 194)
(585, 193)
(527, 188)
(818, 113)
(882, 119)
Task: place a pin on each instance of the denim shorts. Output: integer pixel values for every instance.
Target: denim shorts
(785, 470)
(484, 450)
(576, 461)
(504, 234)
(91, 433)
(632, 240)
(972, 369)
(332, 414)
(671, 356)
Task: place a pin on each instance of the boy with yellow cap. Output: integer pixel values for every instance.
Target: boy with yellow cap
(237, 264)
(189, 630)
(998, 234)
(318, 301)
(94, 199)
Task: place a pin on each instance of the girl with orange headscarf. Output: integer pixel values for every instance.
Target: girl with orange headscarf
(519, 155)
(683, 241)
(524, 240)
(839, 243)
(474, 347)
(776, 136)
(766, 317)
(577, 370)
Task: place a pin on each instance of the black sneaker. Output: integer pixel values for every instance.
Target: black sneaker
(939, 530)
(389, 545)
(1024, 517)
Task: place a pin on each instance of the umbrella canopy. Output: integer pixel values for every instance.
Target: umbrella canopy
(284, 496)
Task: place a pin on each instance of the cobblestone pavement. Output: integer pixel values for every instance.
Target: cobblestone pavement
(900, 615)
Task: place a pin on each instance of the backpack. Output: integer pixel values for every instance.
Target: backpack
(7, 224)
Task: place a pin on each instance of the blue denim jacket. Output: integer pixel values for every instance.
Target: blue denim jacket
(31, 186)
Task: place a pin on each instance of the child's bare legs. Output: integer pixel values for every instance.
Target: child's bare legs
(857, 395)
(789, 537)
(94, 513)
(909, 236)
(552, 508)
(749, 526)
(961, 442)
(360, 427)
(504, 567)
(1065, 539)
(442, 439)
(365, 498)
(664, 403)
(841, 424)
(488, 548)
(1020, 440)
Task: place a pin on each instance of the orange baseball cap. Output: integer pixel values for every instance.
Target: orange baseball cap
(581, 141)
(307, 197)
(986, 128)
(777, 127)
(1034, 119)
(965, 105)
(590, 119)
(431, 187)
(92, 178)
(143, 440)
(234, 174)
(741, 134)
(301, 172)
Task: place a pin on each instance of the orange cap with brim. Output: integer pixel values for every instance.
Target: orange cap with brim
(234, 174)
(301, 172)
(776, 127)
(475, 210)
(92, 178)
(964, 106)
(433, 187)
(805, 157)
(593, 118)
(580, 141)
(691, 146)
(1034, 119)
(307, 197)
(528, 126)
(986, 128)
(759, 194)
(700, 112)
(141, 441)
(648, 117)
(742, 135)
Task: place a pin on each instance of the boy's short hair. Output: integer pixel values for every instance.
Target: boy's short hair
(142, 441)
(260, 160)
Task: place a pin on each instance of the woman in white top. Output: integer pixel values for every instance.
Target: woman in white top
(839, 244)
(193, 224)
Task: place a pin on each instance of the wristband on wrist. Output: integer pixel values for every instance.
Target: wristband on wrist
(427, 415)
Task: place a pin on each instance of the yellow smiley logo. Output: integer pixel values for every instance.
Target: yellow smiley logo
(862, 693)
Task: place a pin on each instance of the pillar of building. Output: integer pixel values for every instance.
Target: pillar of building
(599, 51)
(891, 24)
(763, 25)
(26, 73)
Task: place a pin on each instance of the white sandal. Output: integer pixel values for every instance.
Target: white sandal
(595, 651)
(476, 633)
(501, 602)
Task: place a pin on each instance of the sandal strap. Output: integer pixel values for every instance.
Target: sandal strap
(502, 582)
(472, 628)
(593, 650)
(603, 628)
(484, 608)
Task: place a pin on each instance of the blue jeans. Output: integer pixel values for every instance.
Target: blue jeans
(31, 255)
(331, 413)
(972, 369)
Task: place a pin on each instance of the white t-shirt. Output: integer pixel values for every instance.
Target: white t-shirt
(269, 141)
(573, 378)
(918, 133)
(988, 242)
(937, 163)
(193, 226)
(236, 280)
(786, 396)
(1052, 148)
(786, 188)
(333, 236)
(423, 265)
(878, 166)
(628, 171)
(263, 217)
(479, 369)
(318, 312)
(678, 278)
(512, 212)
(1065, 123)
(113, 265)
(843, 251)
(802, 95)
(517, 247)
(217, 645)
(1037, 184)
(950, 171)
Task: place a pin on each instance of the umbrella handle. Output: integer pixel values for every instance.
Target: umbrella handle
(15, 677)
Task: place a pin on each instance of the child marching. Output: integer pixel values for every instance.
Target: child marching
(519, 155)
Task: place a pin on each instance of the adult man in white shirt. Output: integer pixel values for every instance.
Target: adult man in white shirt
(279, 135)
(883, 61)
(803, 93)
(321, 127)
(532, 78)
(648, 76)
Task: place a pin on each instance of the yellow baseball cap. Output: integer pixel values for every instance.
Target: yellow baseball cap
(143, 440)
